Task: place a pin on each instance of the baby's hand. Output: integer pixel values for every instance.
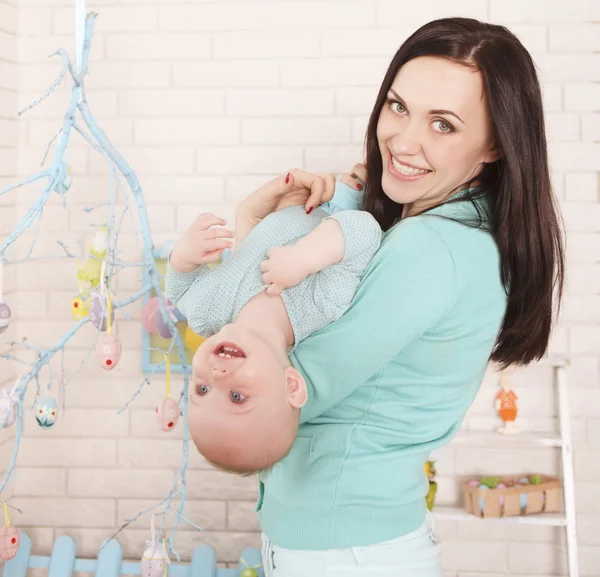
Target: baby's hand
(285, 267)
(201, 243)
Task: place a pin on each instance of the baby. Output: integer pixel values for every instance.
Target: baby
(246, 397)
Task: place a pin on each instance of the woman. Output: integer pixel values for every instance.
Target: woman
(469, 270)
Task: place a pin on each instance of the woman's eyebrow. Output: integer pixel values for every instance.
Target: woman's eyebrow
(432, 111)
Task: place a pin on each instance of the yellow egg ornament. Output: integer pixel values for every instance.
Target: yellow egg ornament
(192, 340)
(249, 572)
(80, 308)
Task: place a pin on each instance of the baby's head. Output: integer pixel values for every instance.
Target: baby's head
(245, 401)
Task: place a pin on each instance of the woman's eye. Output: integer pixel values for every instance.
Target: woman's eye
(236, 397)
(397, 107)
(202, 389)
(444, 126)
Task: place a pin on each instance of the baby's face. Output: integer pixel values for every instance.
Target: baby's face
(244, 407)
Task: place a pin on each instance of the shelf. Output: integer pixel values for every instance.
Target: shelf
(494, 440)
(458, 514)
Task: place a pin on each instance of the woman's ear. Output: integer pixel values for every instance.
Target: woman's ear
(296, 388)
(492, 155)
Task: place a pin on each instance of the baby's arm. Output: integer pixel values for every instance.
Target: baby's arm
(339, 237)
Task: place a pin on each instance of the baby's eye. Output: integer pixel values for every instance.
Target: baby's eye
(237, 397)
(202, 389)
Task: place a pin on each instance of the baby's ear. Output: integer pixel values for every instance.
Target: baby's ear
(296, 387)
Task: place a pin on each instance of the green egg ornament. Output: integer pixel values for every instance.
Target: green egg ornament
(249, 572)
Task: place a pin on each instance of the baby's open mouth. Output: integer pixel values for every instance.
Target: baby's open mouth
(229, 351)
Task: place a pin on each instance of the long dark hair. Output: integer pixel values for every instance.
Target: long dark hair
(523, 215)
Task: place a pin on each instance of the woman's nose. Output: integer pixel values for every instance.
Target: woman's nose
(407, 140)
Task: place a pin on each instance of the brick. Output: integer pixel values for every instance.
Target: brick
(8, 45)
(338, 159)
(184, 132)
(509, 532)
(588, 529)
(581, 217)
(584, 371)
(102, 104)
(134, 453)
(35, 21)
(225, 74)
(584, 278)
(263, 44)
(590, 127)
(552, 97)
(575, 156)
(36, 482)
(129, 75)
(8, 77)
(219, 485)
(162, 46)
(170, 103)
(483, 557)
(8, 162)
(543, 11)
(586, 494)
(354, 101)
(581, 309)
(247, 160)
(210, 515)
(239, 187)
(183, 189)
(590, 558)
(362, 42)
(34, 49)
(593, 432)
(119, 483)
(583, 187)
(584, 401)
(334, 72)
(283, 102)
(584, 37)
(537, 558)
(151, 161)
(582, 96)
(390, 13)
(583, 247)
(128, 19)
(561, 67)
(30, 305)
(49, 512)
(84, 423)
(63, 452)
(213, 17)
(324, 15)
(242, 517)
(532, 36)
(290, 131)
(587, 464)
(562, 127)
(472, 461)
(8, 18)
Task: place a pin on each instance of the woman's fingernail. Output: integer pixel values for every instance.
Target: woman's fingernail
(309, 210)
(287, 177)
(359, 186)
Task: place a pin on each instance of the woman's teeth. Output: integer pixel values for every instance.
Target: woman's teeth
(407, 170)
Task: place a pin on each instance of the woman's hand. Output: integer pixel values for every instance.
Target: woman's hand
(296, 187)
(357, 178)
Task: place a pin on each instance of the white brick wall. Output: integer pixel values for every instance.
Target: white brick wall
(207, 100)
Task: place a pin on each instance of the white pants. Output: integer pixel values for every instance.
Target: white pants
(412, 555)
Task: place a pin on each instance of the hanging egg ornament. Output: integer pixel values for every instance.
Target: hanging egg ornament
(149, 315)
(167, 414)
(46, 411)
(154, 560)
(9, 542)
(80, 308)
(161, 326)
(8, 410)
(108, 351)
(97, 311)
(192, 340)
(5, 316)
(249, 572)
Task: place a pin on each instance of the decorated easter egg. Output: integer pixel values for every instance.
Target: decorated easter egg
(524, 481)
(523, 500)
(108, 351)
(9, 542)
(482, 488)
(5, 316)
(249, 572)
(97, 311)
(8, 409)
(167, 414)
(46, 411)
(80, 308)
(161, 326)
(192, 340)
(501, 486)
(473, 483)
(149, 315)
(154, 561)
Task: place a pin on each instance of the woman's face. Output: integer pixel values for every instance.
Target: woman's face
(434, 132)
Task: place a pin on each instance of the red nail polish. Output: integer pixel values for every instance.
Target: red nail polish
(309, 210)
(287, 177)
(359, 186)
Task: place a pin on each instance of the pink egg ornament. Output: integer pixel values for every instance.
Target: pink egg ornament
(9, 542)
(154, 560)
(167, 414)
(5, 316)
(108, 351)
(149, 315)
